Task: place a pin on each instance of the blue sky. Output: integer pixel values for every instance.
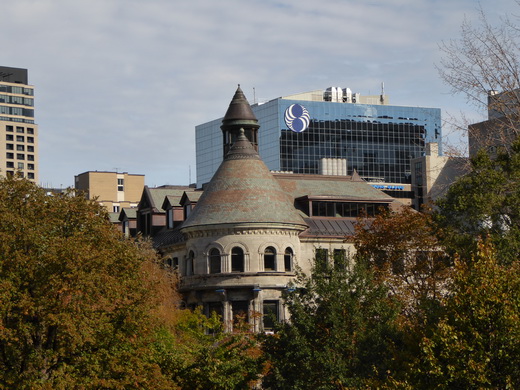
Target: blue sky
(121, 84)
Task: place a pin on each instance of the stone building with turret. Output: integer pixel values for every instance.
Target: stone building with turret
(245, 233)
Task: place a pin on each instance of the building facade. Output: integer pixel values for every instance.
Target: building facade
(245, 233)
(304, 133)
(113, 190)
(432, 175)
(18, 132)
(501, 128)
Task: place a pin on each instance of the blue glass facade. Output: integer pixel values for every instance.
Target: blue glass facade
(377, 140)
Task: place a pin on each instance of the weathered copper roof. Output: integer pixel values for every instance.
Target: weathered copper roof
(239, 112)
(345, 187)
(243, 191)
(128, 212)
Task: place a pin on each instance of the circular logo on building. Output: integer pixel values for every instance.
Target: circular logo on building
(297, 118)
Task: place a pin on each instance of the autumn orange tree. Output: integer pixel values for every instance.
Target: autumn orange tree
(403, 249)
(78, 304)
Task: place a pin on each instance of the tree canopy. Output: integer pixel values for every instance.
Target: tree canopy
(476, 342)
(484, 203)
(342, 333)
(76, 301)
(83, 307)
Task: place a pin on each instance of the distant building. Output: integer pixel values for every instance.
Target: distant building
(159, 208)
(432, 175)
(243, 235)
(18, 132)
(331, 132)
(502, 126)
(113, 190)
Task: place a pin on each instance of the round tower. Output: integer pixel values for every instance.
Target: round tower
(242, 238)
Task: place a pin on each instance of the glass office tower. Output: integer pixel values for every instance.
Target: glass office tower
(377, 140)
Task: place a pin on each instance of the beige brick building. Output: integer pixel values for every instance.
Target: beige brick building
(18, 132)
(113, 190)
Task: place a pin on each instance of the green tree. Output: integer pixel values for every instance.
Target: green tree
(78, 304)
(343, 332)
(476, 343)
(484, 203)
(198, 354)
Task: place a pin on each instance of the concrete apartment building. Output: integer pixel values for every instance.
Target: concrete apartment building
(113, 190)
(432, 175)
(502, 126)
(18, 132)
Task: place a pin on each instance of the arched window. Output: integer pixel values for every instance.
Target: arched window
(172, 262)
(214, 261)
(270, 259)
(237, 259)
(189, 263)
(288, 259)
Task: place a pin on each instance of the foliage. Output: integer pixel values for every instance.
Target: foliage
(78, 304)
(476, 343)
(342, 334)
(484, 203)
(198, 354)
(405, 254)
(484, 61)
(485, 58)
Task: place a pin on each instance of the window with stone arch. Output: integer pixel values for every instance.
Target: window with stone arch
(288, 259)
(237, 259)
(189, 263)
(215, 264)
(269, 259)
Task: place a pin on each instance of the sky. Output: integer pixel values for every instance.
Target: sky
(121, 84)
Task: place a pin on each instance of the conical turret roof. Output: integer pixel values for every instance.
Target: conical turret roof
(239, 112)
(243, 190)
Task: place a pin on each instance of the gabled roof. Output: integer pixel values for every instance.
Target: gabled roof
(170, 201)
(113, 217)
(193, 196)
(154, 197)
(128, 212)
